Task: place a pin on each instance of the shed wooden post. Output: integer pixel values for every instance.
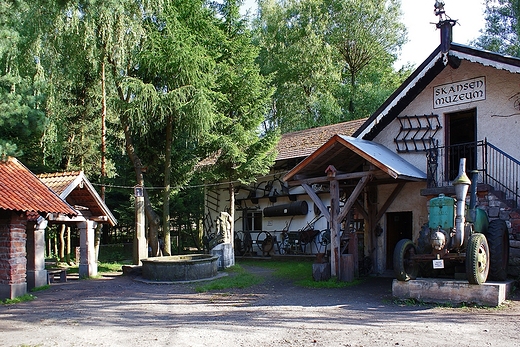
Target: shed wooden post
(335, 225)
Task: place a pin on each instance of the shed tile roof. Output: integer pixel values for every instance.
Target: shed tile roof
(59, 181)
(76, 189)
(21, 190)
(302, 143)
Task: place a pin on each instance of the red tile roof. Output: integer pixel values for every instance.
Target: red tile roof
(302, 143)
(76, 189)
(21, 190)
(59, 181)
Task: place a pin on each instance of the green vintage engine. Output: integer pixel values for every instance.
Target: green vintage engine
(456, 233)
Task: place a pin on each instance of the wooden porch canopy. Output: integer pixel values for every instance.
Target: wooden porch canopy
(352, 162)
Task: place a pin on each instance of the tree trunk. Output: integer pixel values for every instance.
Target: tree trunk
(352, 92)
(62, 243)
(103, 133)
(152, 217)
(167, 187)
(97, 240)
(56, 245)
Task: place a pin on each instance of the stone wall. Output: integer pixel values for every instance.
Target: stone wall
(13, 262)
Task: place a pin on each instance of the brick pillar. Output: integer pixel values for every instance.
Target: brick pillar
(36, 273)
(87, 255)
(12, 254)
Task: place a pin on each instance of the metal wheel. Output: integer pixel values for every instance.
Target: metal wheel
(497, 237)
(323, 240)
(306, 237)
(265, 242)
(405, 268)
(477, 259)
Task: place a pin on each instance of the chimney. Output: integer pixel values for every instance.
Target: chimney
(446, 25)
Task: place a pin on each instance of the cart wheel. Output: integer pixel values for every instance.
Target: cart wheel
(497, 237)
(405, 268)
(265, 242)
(477, 259)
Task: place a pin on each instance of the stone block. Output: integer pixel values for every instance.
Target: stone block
(493, 212)
(452, 291)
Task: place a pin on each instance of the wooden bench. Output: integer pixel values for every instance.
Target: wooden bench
(51, 274)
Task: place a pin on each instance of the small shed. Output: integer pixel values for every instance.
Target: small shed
(350, 166)
(22, 193)
(77, 191)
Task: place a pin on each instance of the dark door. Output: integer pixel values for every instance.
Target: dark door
(461, 140)
(398, 227)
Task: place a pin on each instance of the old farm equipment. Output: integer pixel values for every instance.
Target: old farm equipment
(456, 234)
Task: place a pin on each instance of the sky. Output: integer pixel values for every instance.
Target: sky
(423, 37)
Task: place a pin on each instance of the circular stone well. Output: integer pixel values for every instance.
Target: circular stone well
(180, 267)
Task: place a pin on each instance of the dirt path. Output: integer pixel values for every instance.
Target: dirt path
(118, 311)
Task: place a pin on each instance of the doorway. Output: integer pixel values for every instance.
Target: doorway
(461, 141)
(398, 227)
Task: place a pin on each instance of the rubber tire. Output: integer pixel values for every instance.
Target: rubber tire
(498, 240)
(477, 259)
(404, 268)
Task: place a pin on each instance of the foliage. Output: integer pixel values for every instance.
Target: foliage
(244, 151)
(22, 115)
(296, 56)
(501, 33)
(19, 299)
(325, 56)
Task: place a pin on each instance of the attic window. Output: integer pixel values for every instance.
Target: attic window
(417, 132)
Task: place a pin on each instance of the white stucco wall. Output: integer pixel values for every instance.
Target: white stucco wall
(274, 225)
(497, 118)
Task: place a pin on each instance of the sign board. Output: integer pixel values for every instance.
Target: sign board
(438, 264)
(459, 92)
(138, 191)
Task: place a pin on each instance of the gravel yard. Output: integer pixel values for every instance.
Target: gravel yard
(116, 310)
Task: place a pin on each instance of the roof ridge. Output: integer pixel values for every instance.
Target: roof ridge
(324, 127)
(59, 174)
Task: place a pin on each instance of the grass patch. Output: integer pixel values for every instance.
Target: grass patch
(112, 266)
(300, 273)
(237, 278)
(23, 298)
(102, 267)
(38, 289)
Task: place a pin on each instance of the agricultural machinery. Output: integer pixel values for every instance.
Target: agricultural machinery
(456, 234)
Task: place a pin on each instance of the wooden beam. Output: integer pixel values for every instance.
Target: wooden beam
(389, 201)
(361, 210)
(352, 198)
(317, 201)
(323, 179)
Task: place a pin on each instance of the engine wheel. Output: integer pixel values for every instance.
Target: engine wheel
(477, 259)
(497, 237)
(405, 268)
